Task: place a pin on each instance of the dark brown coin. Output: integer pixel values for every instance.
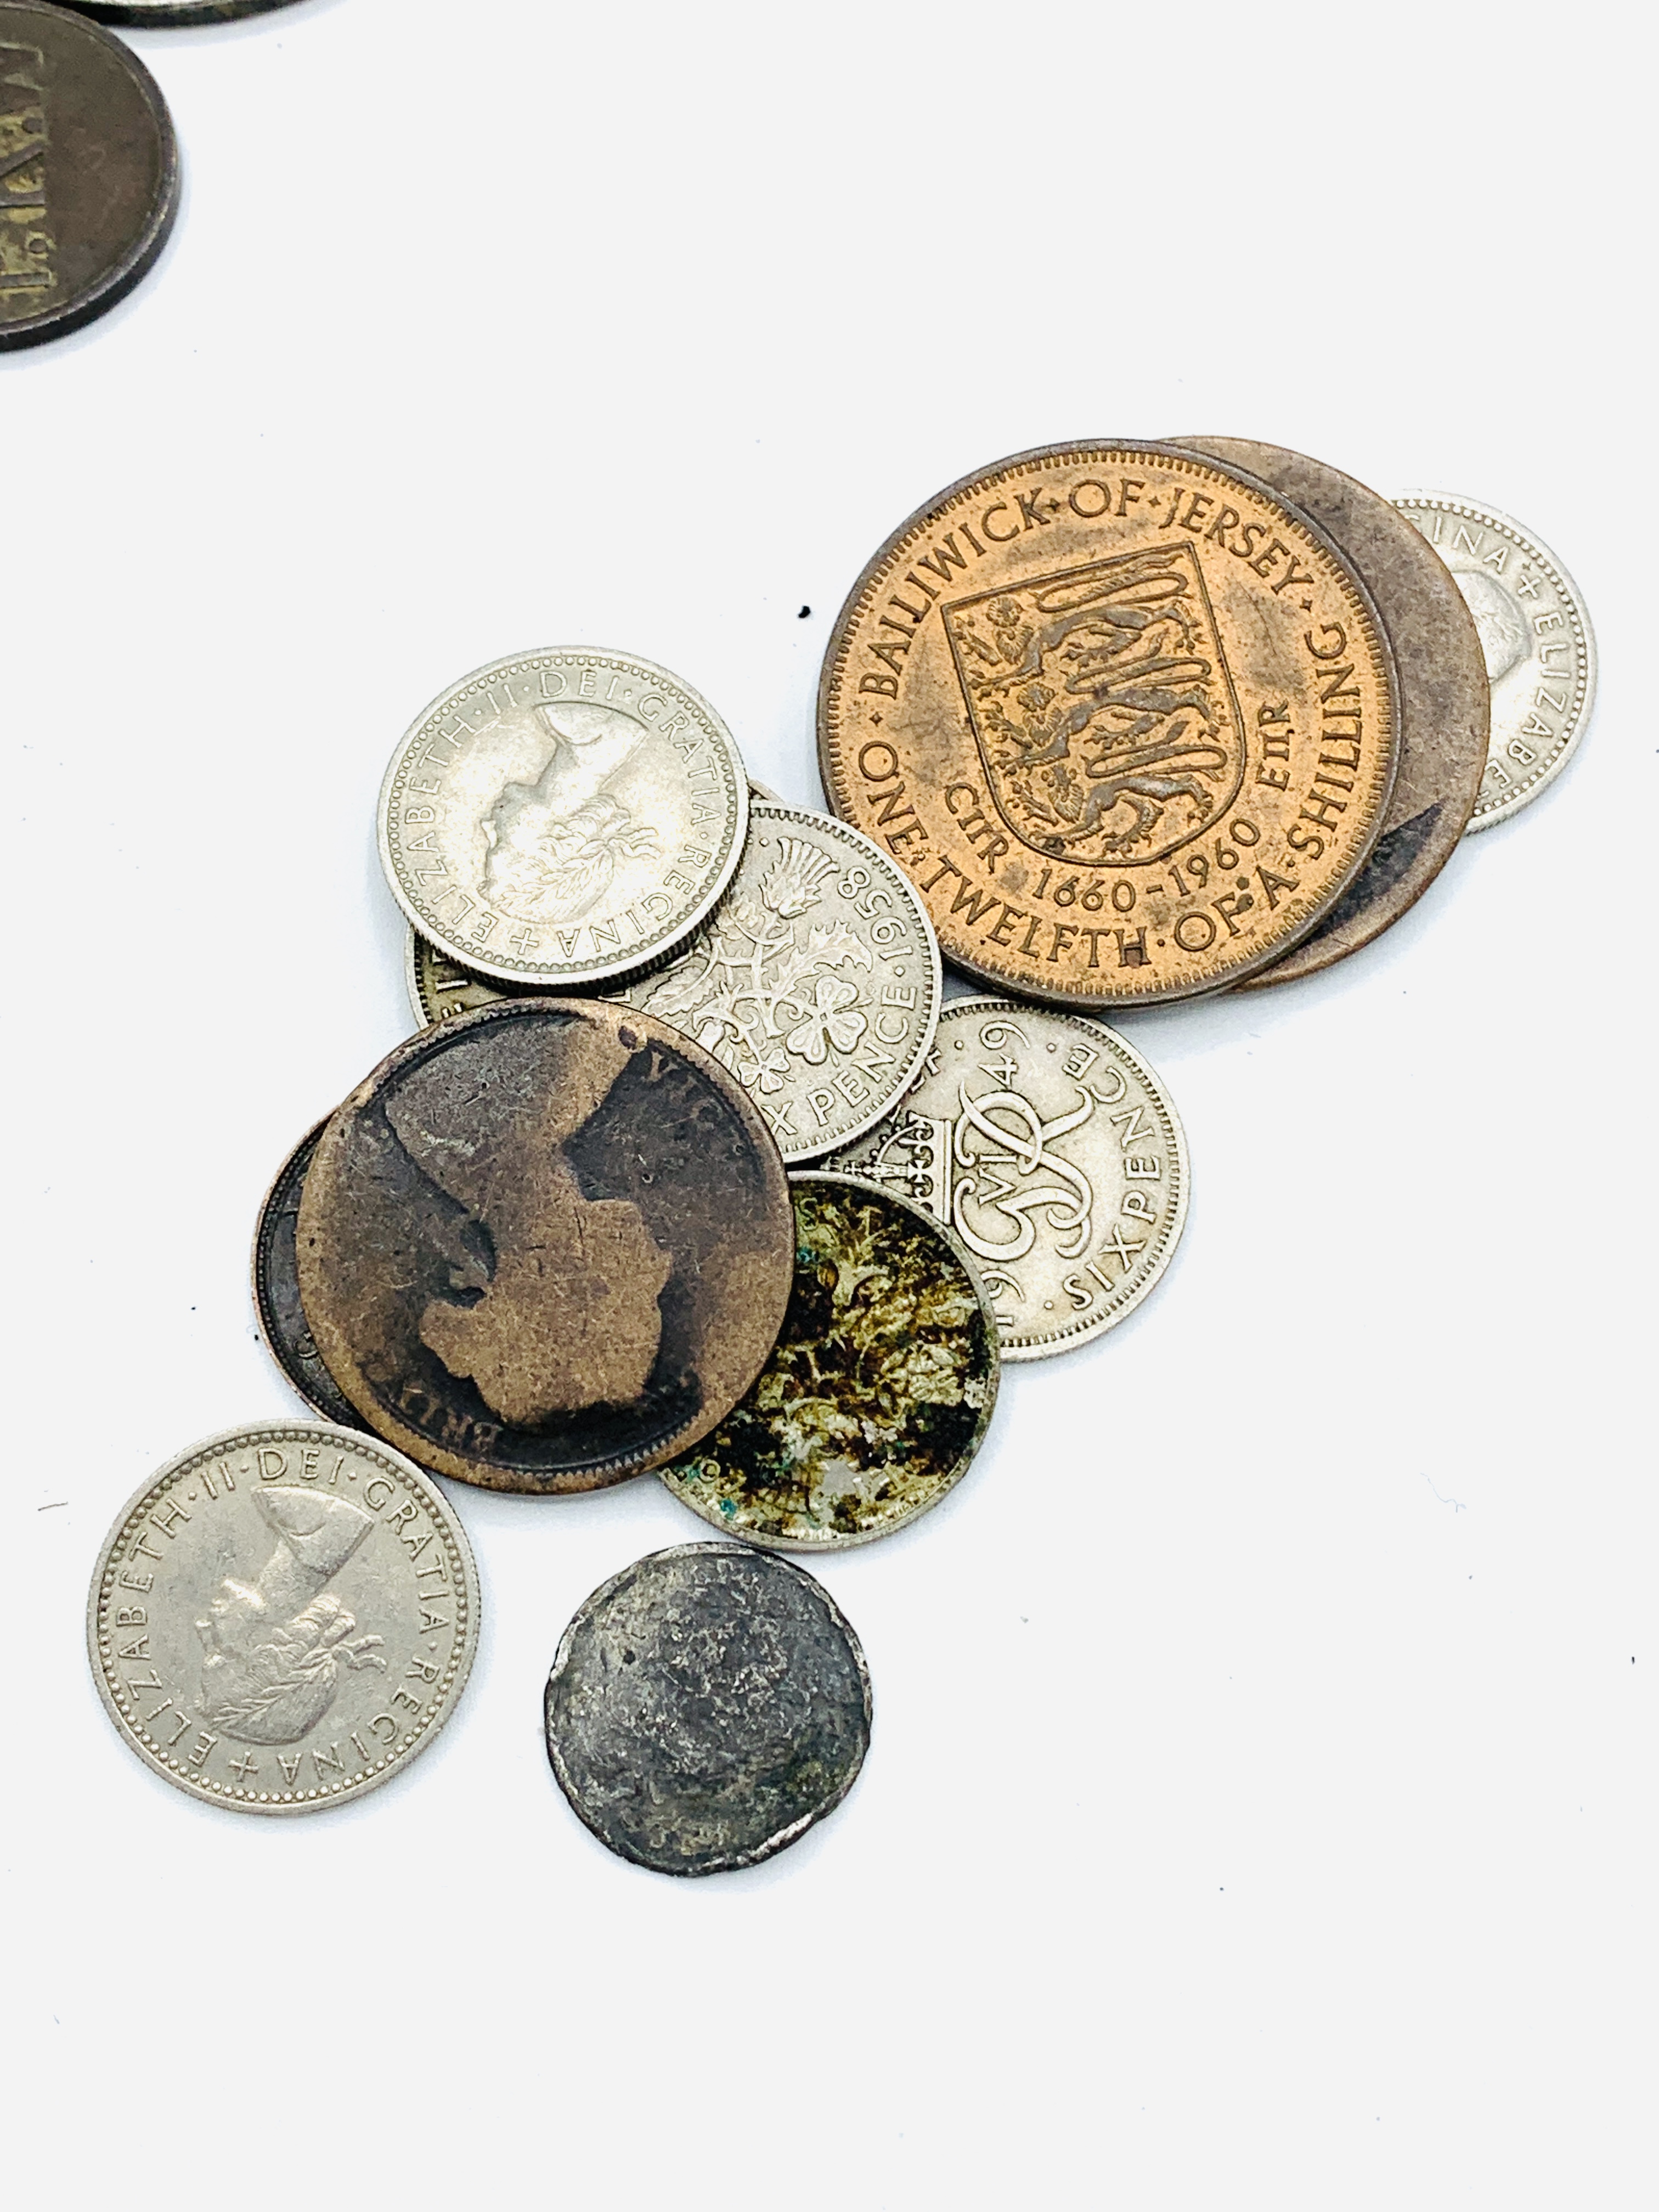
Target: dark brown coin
(158, 13)
(88, 172)
(276, 1291)
(707, 1705)
(1444, 702)
(545, 1245)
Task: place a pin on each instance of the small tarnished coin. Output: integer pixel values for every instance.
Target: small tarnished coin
(879, 1391)
(816, 981)
(276, 1291)
(563, 818)
(1128, 721)
(283, 1617)
(546, 1245)
(157, 14)
(707, 1706)
(439, 987)
(1536, 635)
(1048, 1146)
(1444, 696)
(88, 172)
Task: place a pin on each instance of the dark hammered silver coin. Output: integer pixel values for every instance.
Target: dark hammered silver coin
(707, 1705)
(276, 1291)
(88, 172)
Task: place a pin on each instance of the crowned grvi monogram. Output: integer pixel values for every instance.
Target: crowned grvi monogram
(1101, 706)
(27, 249)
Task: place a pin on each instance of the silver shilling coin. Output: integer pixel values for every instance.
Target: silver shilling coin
(563, 818)
(816, 982)
(1049, 1146)
(707, 1705)
(1536, 636)
(283, 1617)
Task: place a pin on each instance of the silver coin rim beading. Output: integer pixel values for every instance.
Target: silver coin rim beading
(667, 938)
(259, 1276)
(1572, 598)
(135, 265)
(836, 652)
(811, 1547)
(253, 1435)
(1081, 1333)
(832, 826)
(734, 1862)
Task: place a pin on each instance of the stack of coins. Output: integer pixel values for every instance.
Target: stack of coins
(690, 1169)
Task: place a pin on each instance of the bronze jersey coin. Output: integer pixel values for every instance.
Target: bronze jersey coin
(1128, 721)
(88, 172)
(276, 1291)
(545, 1245)
(1445, 698)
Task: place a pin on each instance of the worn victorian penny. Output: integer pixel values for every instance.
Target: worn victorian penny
(545, 1245)
(816, 981)
(879, 1391)
(1536, 636)
(276, 1291)
(439, 987)
(1444, 696)
(283, 1617)
(1049, 1147)
(158, 13)
(707, 1706)
(563, 818)
(1127, 719)
(88, 172)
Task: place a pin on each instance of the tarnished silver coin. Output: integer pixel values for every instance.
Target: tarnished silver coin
(88, 172)
(159, 14)
(816, 982)
(879, 1390)
(1049, 1145)
(439, 987)
(276, 1291)
(1536, 636)
(563, 818)
(283, 1617)
(707, 1706)
(1444, 716)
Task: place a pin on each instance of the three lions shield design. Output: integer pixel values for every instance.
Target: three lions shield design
(1101, 706)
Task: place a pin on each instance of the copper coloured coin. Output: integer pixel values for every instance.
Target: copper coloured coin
(1127, 719)
(1445, 698)
(545, 1245)
(88, 172)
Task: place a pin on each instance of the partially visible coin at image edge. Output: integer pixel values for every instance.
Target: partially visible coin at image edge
(283, 1617)
(158, 15)
(88, 172)
(707, 1705)
(1536, 635)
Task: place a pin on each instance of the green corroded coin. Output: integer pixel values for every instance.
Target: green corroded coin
(877, 1393)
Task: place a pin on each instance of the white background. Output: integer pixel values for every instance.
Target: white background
(1261, 1806)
